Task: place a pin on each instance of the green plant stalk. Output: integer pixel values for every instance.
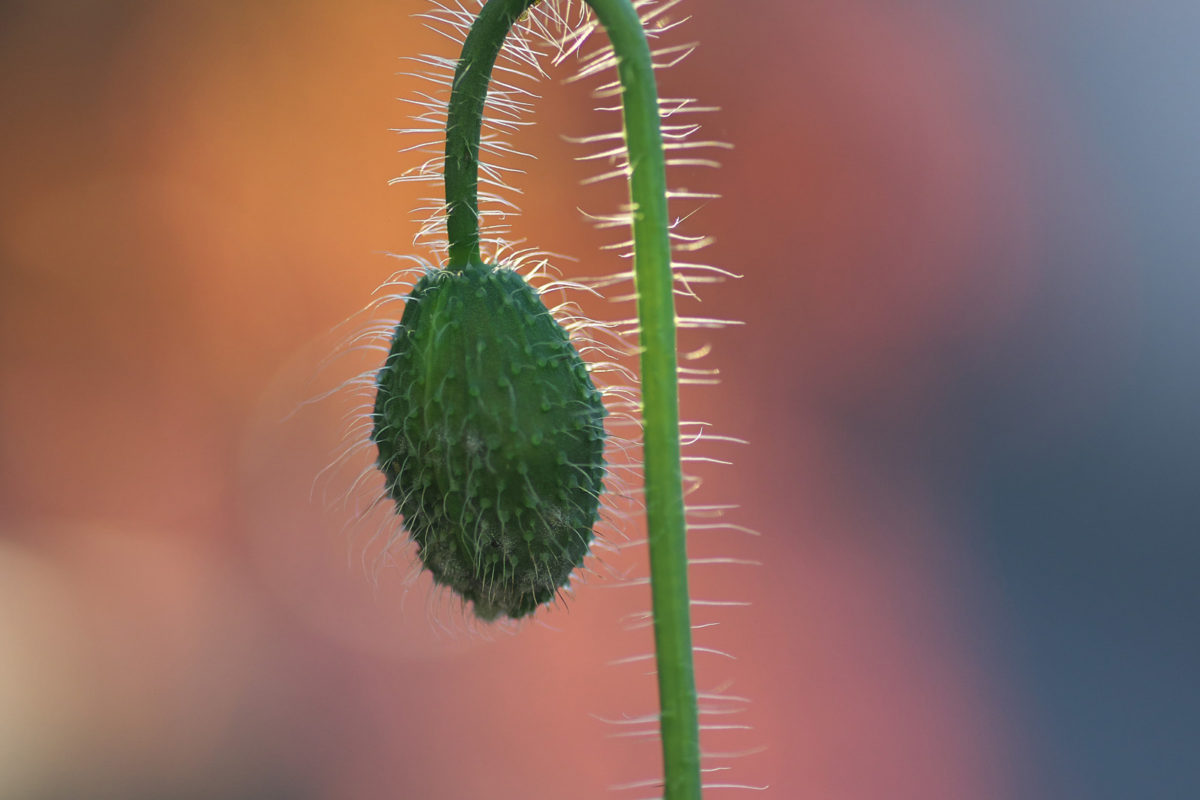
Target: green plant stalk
(656, 315)
(660, 401)
(464, 119)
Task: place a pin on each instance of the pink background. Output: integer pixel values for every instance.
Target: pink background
(948, 246)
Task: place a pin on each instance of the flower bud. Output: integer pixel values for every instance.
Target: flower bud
(491, 437)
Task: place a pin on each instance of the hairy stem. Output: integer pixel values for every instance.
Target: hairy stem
(660, 400)
(463, 122)
(656, 315)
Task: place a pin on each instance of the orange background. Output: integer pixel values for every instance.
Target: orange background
(938, 228)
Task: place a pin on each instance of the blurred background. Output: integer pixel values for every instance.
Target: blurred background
(969, 380)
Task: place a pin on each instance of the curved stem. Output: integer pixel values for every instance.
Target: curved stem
(463, 121)
(656, 316)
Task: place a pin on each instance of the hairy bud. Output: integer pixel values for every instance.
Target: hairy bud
(491, 437)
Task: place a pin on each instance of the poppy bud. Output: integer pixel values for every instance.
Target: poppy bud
(491, 437)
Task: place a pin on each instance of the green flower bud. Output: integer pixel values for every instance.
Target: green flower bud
(491, 438)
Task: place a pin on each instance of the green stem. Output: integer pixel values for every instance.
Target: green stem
(660, 400)
(463, 122)
(656, 315)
